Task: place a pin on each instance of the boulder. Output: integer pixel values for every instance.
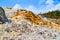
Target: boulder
(3, 17)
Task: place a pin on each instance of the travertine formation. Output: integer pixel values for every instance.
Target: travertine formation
(57, 21)
(25, 25)
(28, 15)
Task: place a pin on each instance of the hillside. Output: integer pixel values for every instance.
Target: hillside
(25, 25)
(52, 14)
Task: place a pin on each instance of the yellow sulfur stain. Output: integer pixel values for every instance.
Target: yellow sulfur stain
(34, 19)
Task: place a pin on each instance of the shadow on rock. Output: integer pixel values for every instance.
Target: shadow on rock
(3, 17)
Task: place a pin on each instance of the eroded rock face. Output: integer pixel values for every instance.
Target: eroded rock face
(3, 17)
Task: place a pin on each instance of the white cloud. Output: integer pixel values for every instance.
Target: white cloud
(49, 2)
(17, 6)
(31, 8)
(57, 6)
(49, 7)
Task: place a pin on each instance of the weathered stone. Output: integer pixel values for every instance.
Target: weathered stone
(3, 17)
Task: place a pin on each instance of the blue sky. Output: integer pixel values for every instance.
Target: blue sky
(32, 5)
